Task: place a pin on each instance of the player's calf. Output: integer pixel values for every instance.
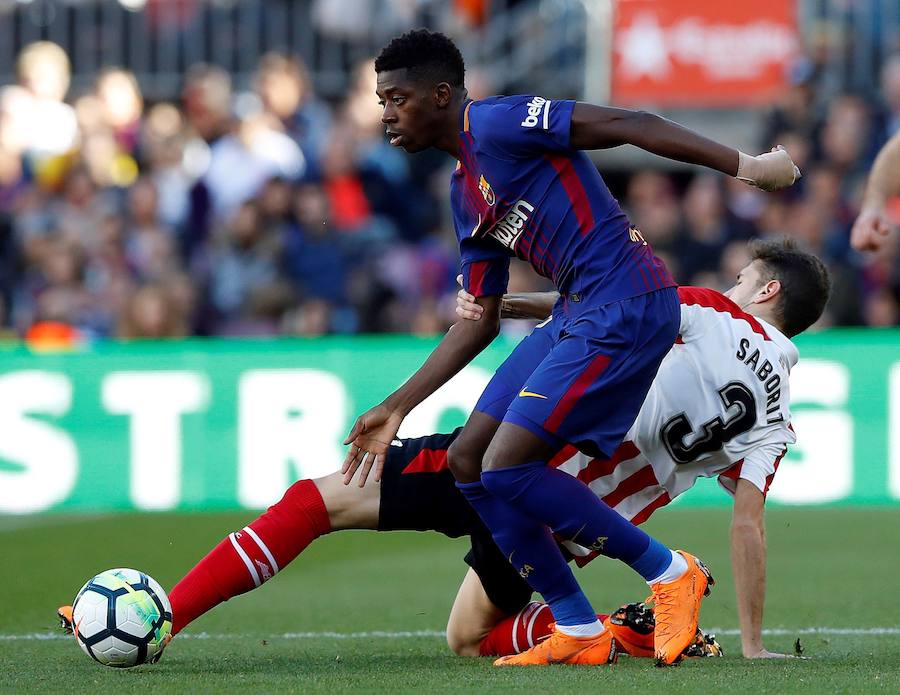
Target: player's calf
(249, 557)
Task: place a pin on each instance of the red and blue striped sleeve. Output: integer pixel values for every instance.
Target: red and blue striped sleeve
(485, 270)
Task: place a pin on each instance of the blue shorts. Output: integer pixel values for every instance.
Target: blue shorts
(581, 378)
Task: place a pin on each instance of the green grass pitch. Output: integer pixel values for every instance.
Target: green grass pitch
(344, 616)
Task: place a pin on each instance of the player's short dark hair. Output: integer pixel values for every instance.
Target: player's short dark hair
(425, 55)
(805, 282)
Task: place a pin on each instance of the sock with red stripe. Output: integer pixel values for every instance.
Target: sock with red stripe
(521, 631)
(249, 557)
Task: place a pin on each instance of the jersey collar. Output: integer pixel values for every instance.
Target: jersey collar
(464, 115)
(787, 347)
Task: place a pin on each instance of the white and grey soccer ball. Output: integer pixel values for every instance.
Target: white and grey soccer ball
(121, 618)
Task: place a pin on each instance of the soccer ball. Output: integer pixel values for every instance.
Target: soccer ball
(121, 618)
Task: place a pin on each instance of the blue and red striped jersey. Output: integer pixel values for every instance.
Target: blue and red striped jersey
(519, 189)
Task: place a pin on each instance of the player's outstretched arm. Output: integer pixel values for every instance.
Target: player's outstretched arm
(600, 127)
(524, 305)
(748, 559)
(873, 225)
(373, 432)
(528, 305)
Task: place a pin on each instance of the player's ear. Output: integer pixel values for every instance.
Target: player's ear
(768, 292)
(442, 94)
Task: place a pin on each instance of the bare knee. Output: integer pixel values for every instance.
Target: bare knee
(350, 506)
(513, 445)
(472, 617)
(465, 453)
(464, 461)
(492, 459)
(463, 644)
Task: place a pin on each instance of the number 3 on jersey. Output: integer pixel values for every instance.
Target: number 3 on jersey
(713, 434)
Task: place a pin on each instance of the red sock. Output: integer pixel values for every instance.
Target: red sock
(520, 631)
(247, 558)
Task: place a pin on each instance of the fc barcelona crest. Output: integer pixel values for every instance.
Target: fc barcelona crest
(486, 191)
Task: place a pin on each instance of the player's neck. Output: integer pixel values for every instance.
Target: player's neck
(449, 138)
(760, 312)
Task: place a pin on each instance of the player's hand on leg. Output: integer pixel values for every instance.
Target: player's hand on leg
(870, 230)
(369, 442)
(466, 306)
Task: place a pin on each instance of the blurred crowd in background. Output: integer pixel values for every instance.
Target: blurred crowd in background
(273, 212)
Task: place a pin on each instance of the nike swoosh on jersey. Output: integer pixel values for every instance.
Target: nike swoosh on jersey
(524, 393)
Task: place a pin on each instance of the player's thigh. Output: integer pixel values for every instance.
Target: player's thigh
(472, 617)
(468, 450)
(418, 492)
(514, 445)
(350, 506)
(515, 370)
(590, 387)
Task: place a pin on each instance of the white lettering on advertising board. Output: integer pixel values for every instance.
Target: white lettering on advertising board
(290, 424)
(45, 454)
(155, 403)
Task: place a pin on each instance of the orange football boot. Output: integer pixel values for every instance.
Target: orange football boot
(677, 608)
(66, 620)
(632, 628)
(704, 645)
(559, 648)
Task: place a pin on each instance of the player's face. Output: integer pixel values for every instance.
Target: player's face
(409, 113)
(748, 285)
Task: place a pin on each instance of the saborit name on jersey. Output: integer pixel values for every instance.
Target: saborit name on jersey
(763, 372)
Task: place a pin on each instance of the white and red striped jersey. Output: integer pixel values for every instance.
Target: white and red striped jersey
(719, 406)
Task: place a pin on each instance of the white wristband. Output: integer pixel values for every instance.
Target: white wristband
(770, 171)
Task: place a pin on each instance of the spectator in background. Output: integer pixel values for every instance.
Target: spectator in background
(149, 246)
(259, 150)
(890, 93)
(795, 110)
(847, 139)
(254, 146)
(168, 164)
(283, 85)
(46, 125)
(276, 201)
(315, 257)
(122, 105)
(152, 312)
(109, 278)
(207, 102)
(77, 214)
(309, 319)
(653, 207)
(246, 288)
(58, 294)
(708, 227)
